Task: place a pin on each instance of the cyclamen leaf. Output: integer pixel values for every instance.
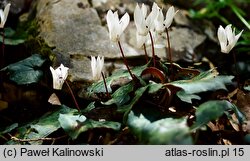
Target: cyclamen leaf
(43, 126)
(212, 110)
(74, 125)
(13, 38)
(205, 81)
(99, 86)
(164, 131)
(26, 71)
(121, 95)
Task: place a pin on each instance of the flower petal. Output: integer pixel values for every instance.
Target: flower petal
(222, 39)
(169, 16)
(2, 19)
(139, 20)
(4, 15)
(159, 26)
(140, 40)
(124, 22)
(230, 34)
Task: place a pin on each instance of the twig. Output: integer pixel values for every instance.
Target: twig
(36, 139)
(74, 99)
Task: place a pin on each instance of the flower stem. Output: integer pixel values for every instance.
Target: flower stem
(74, 99)
(145, 51)
(105, 84)
(169, 52)
(153, 49)
(125, 60)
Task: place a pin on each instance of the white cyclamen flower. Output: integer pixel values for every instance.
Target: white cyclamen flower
(96, 66)
(116, 27)
(4, 15)
(160, 23)
(59, 76)
(143, 24)
(227, 38)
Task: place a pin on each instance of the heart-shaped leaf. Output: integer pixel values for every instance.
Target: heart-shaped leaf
(74, 125)
(212, 110)
(99, 86)
(26, 71)
(164, 131)
(205, 81)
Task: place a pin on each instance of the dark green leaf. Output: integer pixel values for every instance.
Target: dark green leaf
(43, 126)
(13, 38)
(164, 131)
(9, 128)
(154, 87)
(138, 93)
(76, 124)
(212, 110)
(205, 81)
(187, 97)
(99, 86)
(90, 107)
(121, 95)
(26, 71)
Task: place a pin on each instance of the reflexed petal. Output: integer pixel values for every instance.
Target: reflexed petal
(230, 34)
(6, 10)
(144, 10)
(238, 36)
(222, 38)
(2, 18)
(124, 22)
(151, 17)
(110, 23)
(159, 26)
(139, 20)
(169, 16)
(93, 66)
(4, 15)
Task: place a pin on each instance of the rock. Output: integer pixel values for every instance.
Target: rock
(75, 30)
(183, 43)
(121, 5)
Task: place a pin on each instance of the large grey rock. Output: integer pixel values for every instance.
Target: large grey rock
(76, 32)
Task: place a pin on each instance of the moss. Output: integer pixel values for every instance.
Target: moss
(34, 43)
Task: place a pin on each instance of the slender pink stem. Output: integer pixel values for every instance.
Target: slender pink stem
(153, 49)
(72, 94)
(105, 84)
(125, 60)
(145, 51)
(169, 52)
